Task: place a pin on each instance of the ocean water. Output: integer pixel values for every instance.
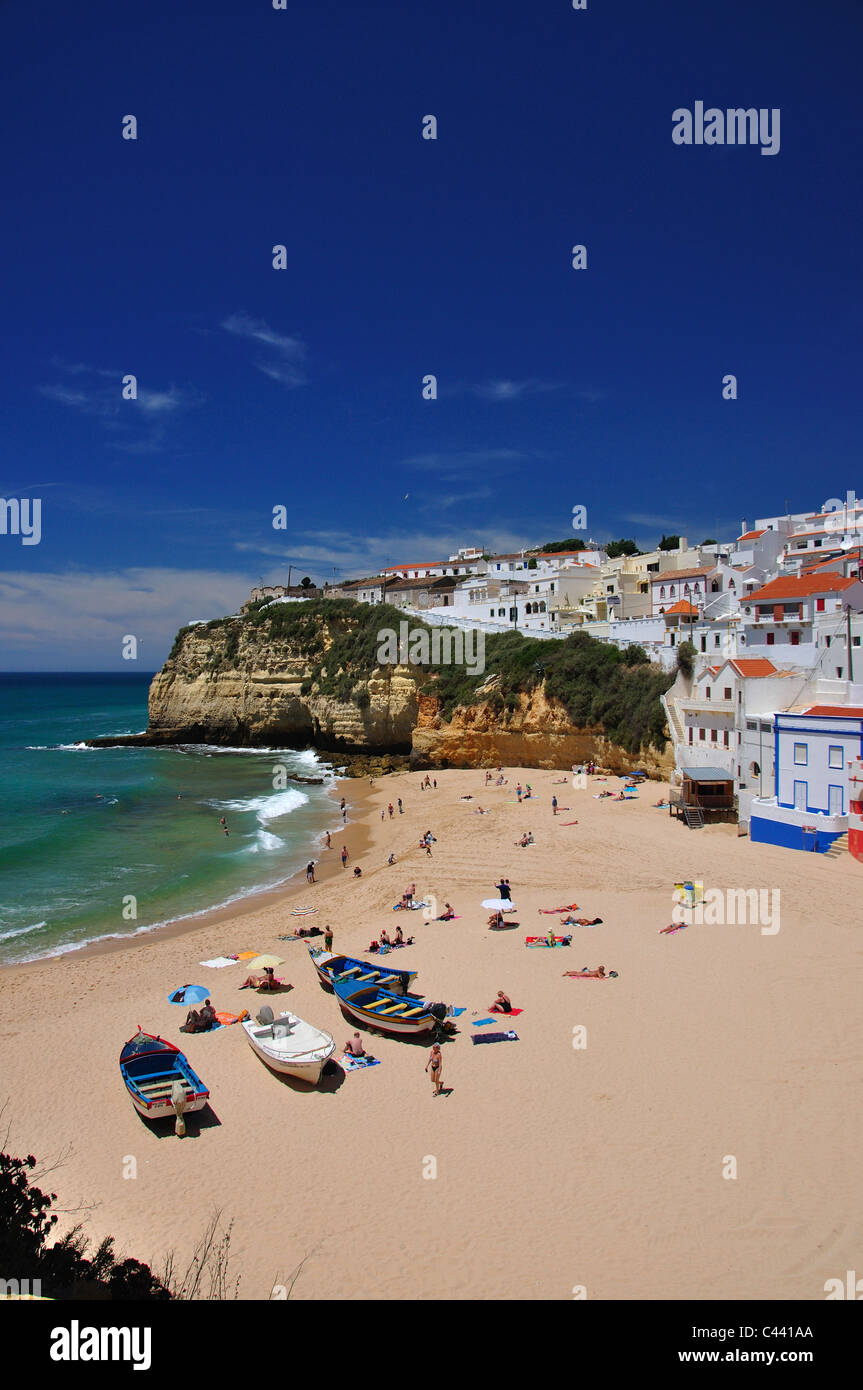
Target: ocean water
(82, 831)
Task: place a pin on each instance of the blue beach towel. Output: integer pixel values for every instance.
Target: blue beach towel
(494, 1037)
(481, 1022)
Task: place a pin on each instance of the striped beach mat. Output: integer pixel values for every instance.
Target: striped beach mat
(302, 911)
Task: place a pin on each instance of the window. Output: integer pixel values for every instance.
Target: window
(701, 735)
(828, 641)
(716, 640)
(725, 737)
(770, 639)
(819, 605)
(751, 724)
(726, 694)
(704, 644)
(713, 735)
(835, 756)
(491, 612)
(801, 754)
(662, 591)
(690, 733)
(795, 639)
(707, 692)
(855, 641)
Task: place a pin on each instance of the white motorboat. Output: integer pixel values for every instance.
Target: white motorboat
(289, 1045)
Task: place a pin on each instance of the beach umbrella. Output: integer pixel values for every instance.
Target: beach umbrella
(189, 994)
(498, 904)
(265, 962)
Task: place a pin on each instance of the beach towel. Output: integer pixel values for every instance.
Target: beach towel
(543, 941)
(357, 1063)
(219, 962)
(456, 1013)
(456, 917)
(494, 1037)
(481, 1022)
(247, 955)
(551, 911)
(226, 1019)
(302, 911)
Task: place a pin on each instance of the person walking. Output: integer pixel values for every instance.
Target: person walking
(390, 809)
(434, 1067)
(344, 856)
(554, 805)
(401, 807)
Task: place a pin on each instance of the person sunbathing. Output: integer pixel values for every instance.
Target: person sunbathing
(496, 919)
(598, 974)
(266, 980)
(501, 1005)
(581, 922)
(384, 938)
(447, 915)
(524, 841)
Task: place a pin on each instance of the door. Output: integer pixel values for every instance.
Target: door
(800, 795)
(836, 800)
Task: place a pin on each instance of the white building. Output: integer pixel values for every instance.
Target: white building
(815, 750)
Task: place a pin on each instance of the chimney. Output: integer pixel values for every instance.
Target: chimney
(743, 527)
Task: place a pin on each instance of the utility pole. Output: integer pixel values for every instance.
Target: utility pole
(848, 640)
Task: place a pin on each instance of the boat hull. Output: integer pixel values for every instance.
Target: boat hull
(380, 1009)
(332, 967)
(314, 1048)
(149, 1067)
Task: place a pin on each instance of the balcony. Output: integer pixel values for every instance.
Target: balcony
(688, 702)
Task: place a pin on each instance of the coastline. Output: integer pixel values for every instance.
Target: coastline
(356, 835)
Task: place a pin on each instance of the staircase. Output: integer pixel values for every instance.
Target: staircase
(694, 817)
(838, 848)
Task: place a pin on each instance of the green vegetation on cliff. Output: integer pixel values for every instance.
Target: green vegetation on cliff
(615, 692)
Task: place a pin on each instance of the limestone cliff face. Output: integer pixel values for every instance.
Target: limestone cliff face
(538, 734)
(237, 689)
(239, 685)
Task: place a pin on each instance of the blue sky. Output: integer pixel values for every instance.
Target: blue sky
(302, 387)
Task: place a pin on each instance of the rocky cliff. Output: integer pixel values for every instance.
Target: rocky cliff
(309, 675)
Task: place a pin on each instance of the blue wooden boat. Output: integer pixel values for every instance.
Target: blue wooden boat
(405, 1014)
(332, 967)
(150, 1067)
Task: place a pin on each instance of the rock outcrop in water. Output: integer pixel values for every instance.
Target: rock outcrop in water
(299, 675)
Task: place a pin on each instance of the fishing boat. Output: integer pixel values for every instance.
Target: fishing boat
(332, 967)
(151, 1067)
(385, 1010)
(289, 1045)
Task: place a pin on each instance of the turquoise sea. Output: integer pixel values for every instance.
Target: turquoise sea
(83, 830)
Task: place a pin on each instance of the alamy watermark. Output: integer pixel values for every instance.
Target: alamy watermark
(844, 515)
(442, 646)
(21, 517)
(726, 907)
(734, 126)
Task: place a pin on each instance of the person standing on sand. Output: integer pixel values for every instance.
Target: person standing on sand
(401, 808)
(328, 839)
(344, 856)
(434, 1067)
(328, 938)
(310, 871)
(390, 809)
(554, 805)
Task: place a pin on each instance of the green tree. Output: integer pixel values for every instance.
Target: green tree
(614, 549)
(669, 543)
(686, 658)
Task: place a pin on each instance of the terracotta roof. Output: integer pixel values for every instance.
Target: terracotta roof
(751, 536)
(799, 585)
(682, 606)
(668, 576)
(753, 666)
(835, 711)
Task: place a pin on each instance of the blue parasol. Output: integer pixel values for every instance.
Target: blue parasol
(189, 994)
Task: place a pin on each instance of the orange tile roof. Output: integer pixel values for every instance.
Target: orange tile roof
(682, 606)
(751, 535)
(799, 585)
(835, 711)
(669, 576)
(753, 666)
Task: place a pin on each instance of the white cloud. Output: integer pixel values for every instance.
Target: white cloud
(290, 351)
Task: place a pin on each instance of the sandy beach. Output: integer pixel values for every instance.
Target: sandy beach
(556, 1167)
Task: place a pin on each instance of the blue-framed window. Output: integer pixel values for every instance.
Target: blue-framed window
(801, 754)
(836, 756)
